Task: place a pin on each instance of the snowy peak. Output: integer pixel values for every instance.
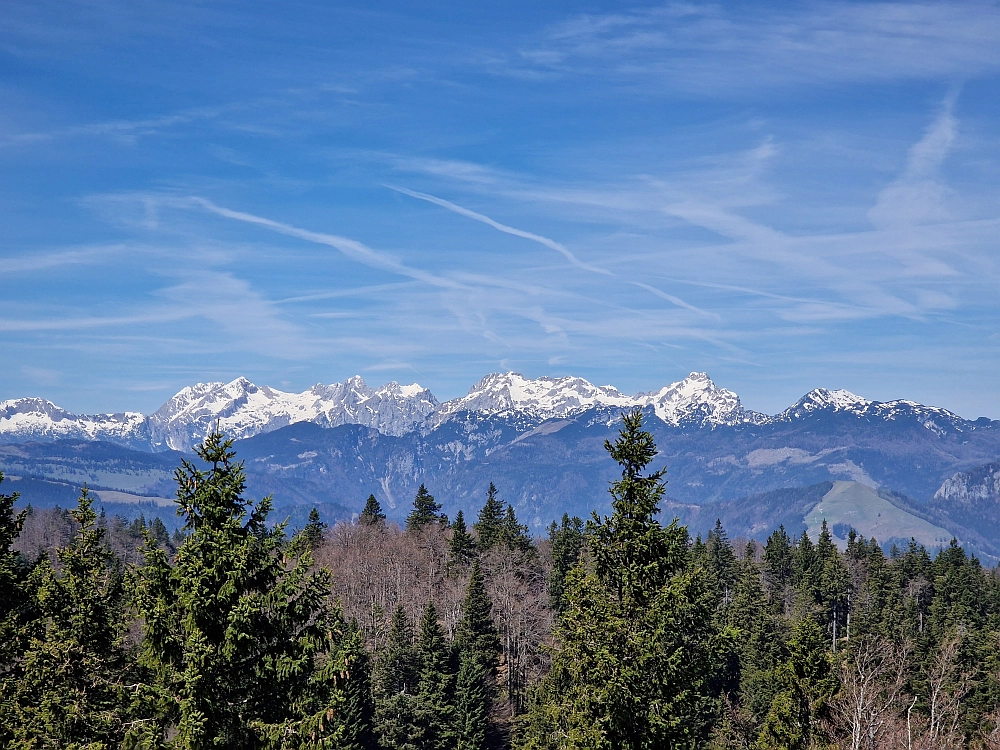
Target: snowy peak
(544, 397)
(693, 400)
(697, 400)
(242, 409)
(820, 399)
(26, 419)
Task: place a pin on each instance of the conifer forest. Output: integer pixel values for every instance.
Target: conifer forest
(617, 631)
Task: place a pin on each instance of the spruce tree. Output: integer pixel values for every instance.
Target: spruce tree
(478, 646)
(489, 526)
(778, 560)
(248, 651)
(635, 648)
(16, 602)
(357, 717)
(721, 562)
(513, 534)
(461, 546)
(372, 513)
(477, 635)
(395, 686)
(567, 542)
(312, 534)
(472, 704)
(807, 683)
(426, 510)
(71, 690)
(434, 707)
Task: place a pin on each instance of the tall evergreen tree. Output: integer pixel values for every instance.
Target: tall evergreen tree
(426, 510)
(478, 646)
(248, 651)
(635, 647)
(312, 533)
(472, 701)
(513, 534)
(395, 686)
(434, 708)
(372, 513)
(489, 526)
(71, 692)
(477, 634)
(567, 542)
(357, 717)
(807, 683)
(461, 546)
(721, 562)
(778, 562)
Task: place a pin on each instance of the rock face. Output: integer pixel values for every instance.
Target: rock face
(970, 488)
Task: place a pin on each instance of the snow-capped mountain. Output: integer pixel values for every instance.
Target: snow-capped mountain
(697, 400)
(242, 409)
(693, 400)
(27, 419)
(543, 398)
(935, 419)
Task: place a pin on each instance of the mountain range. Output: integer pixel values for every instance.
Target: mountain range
(541, 441)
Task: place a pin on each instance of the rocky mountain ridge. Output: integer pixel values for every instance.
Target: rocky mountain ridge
(242, 410)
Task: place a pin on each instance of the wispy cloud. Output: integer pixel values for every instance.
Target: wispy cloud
(545, 241)
(45, 261)
(711, 49)
(918, 196)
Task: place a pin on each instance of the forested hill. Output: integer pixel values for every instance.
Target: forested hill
(465, 632)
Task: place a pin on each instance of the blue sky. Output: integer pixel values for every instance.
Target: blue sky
(783, 195)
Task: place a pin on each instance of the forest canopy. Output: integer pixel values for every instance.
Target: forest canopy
(618, 631)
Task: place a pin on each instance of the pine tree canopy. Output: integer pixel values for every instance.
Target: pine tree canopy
(313, 532)
(477, 636)
(635, 646)
(71, 687)
(426, 510)
(461, 546)
(372, 512)
(247, 648)
(489, 526)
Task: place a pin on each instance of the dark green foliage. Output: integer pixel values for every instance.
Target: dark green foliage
(434, 707)
(159, 532)
(477, 636)
(426, 510)
(357, 717)
(513, 534)
(489, 526)
(720, 560)
(778, 563)
(312, 533)
(461, 546)
(245, 647)
(472, 704)
(567, 542)
(395, 686)
(71, 687)
(807, 684)
(372, 513)
(635, 646)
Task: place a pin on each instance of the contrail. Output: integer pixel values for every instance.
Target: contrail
(551, 244)
(351, 248)
(675, 300)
